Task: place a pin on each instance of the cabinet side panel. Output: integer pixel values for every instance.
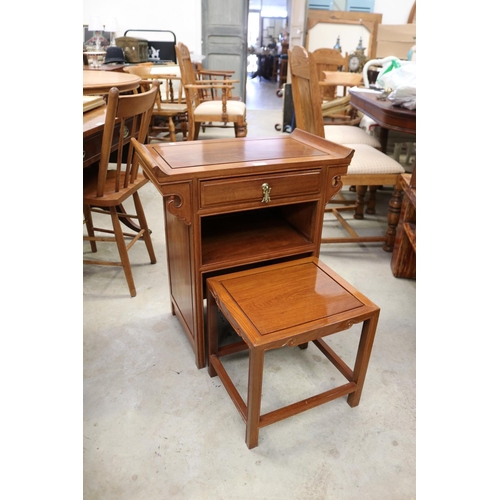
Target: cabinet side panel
(179, 268)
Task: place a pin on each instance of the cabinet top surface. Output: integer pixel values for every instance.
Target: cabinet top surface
(281, 298)
(197, 158)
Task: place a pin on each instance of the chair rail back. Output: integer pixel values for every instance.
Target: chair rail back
(132, 113)
(305, 91)
(330, 60)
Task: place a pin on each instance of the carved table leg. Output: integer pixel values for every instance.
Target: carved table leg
(393, 214)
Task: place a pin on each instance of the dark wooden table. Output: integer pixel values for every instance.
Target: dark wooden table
(385, 114)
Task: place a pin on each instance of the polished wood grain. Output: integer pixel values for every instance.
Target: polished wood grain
(101, 82)
(286, 305)
(217, 218)
(385, 114)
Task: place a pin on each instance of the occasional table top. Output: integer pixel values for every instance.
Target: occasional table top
(279, 301)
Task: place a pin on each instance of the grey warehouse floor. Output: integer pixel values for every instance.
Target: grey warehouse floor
(156, 427)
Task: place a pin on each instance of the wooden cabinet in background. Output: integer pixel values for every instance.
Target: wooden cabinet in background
(234, 204)
(404, 256)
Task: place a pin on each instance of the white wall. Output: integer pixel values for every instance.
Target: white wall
(183, 17)
(394, 12)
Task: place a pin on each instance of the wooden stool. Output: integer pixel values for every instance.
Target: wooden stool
(287, 304)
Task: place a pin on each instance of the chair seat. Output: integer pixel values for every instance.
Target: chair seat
(346, 134)
(170, 109)
(234, 108)
(110, 197)
(368, 160)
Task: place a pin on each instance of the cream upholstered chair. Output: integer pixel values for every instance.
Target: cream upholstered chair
(223, 110)
(108, 187)
(332, 60)
(369, 166)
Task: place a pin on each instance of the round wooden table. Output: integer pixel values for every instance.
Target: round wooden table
(100, 82)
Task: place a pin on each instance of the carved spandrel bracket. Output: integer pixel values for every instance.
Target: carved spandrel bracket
(179, 203)
(334, 187)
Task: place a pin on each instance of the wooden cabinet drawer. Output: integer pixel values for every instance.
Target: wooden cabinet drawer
(220, 192)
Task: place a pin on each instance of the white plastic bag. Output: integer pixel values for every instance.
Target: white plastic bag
(401, 81)
(405, 97)
(396, 75)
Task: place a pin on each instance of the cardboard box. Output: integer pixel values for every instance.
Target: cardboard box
(395, 40)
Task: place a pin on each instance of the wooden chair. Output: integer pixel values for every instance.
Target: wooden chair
(174, 113)
(369, 166)
(106, 189)
(200, 111)
(330, 60)
(210, 94)
(333, 73)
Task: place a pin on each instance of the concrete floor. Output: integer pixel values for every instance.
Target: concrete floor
(156, 427)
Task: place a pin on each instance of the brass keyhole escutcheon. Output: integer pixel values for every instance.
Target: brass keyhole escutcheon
(266, 193)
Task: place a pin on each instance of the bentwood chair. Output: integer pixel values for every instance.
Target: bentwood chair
(107, 188)
(368, 167)
(222, 110)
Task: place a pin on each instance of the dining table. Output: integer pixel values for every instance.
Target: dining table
(382, 111)
(389, 117)
(101, 82)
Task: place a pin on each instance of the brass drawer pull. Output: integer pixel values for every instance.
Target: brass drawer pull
(266, 193)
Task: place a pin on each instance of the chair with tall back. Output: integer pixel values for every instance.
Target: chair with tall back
(345, 131)
(107, 188)
(369, 166)
(332, 68)
(224, 110)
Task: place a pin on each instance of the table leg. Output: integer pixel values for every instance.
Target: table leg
(383, 138)
(363, 357)
(393, 215)
(255, 374)
(212, 331)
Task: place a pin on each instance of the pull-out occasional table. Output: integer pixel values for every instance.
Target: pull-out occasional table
(285, 305)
